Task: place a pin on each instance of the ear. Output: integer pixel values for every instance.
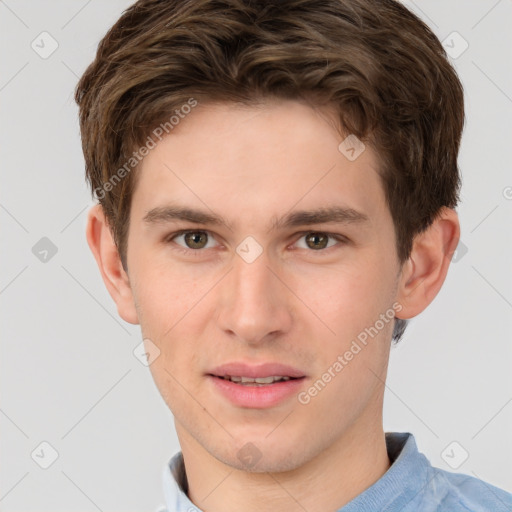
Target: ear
(424, 272)
(101, 243)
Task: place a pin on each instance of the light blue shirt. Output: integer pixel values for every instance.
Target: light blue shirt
(411, 484)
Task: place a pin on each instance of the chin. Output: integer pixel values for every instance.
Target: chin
(259, 455)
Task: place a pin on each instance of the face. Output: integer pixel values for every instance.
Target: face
(255, 242)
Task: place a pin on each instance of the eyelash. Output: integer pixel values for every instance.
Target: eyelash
(197, 252)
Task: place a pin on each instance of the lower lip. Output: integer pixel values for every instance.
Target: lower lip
(257, 397)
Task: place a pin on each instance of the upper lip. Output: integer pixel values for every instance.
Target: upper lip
(239, 369)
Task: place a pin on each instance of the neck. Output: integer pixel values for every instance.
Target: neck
(325, 483)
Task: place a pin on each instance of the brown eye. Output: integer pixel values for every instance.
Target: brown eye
(317, 240)
(195, 239)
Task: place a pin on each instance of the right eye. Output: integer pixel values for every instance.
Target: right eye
(192, 240)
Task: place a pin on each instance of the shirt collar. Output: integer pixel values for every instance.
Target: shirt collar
(403, 481)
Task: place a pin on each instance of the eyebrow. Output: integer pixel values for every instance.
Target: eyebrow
(332, 214)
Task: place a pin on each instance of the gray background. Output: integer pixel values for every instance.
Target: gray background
(68, 373)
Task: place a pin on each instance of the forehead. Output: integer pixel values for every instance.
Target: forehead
(263, 160)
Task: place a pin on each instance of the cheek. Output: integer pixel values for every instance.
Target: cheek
(165, 295)
(346, 298)
(350, 362)
(167, 301)
(163, 304)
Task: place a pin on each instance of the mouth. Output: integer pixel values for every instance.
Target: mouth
(256, 386)
(256, 381)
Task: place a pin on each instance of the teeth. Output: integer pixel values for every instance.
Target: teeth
(256, 380)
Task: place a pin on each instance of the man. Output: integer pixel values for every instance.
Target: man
(276, 187)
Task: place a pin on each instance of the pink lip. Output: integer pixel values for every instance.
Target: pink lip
(253, 396)
(238, 369)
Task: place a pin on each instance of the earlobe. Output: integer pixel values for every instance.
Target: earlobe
(106, 254)
(425, 271)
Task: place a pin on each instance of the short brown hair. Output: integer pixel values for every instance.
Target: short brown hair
(381, 68)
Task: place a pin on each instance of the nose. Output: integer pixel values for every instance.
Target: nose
(255, 305)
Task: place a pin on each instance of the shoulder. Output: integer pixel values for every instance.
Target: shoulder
(412, 484)
(456, 492)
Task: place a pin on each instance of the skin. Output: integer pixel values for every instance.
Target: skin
(294, 304)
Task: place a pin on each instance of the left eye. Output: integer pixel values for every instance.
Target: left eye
(195, 240)
(317, 241)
